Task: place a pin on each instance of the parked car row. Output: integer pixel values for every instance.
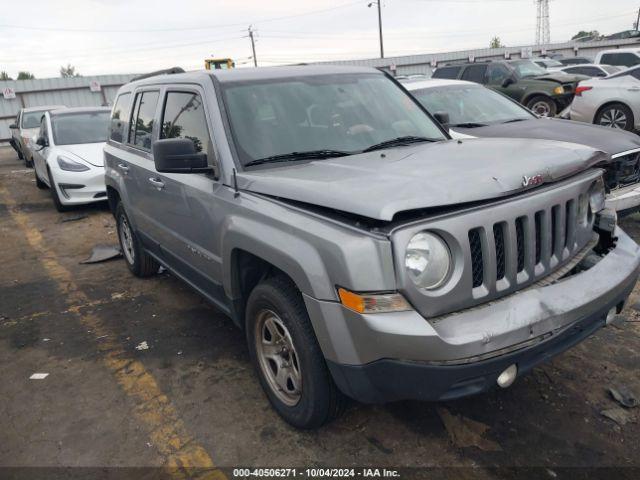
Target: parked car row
(364, 251)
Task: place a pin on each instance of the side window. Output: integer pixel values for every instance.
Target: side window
(594, 72)
(573, 70)
(447, 72)
(474, 73)
(635, 73)
(496, 74)
(624, 59)
(142, 121)
(43, 128)
(120, 117)
(183, 117)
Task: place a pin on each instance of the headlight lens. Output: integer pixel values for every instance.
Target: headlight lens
(427, 260)
(69, 165)
(597, 195)
(558, 90)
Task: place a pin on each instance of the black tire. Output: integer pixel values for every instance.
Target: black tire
(615, 115)
(54, 194)
(28, 163)
(140, 263)
(320, 401)
(39, 183)
(20, 156)
(542, 105)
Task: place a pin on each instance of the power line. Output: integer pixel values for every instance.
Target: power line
(181, 29)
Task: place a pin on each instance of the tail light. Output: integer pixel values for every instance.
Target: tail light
(580, 89)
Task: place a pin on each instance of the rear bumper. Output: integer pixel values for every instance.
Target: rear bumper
(391, 380)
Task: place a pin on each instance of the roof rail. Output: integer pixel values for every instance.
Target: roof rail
(166, 71)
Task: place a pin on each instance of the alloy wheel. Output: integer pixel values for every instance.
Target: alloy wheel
(126, 240)
(541, 109)
(278, 358)
(613, 118)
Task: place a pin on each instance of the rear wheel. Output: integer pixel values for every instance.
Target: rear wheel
(138, 260)
(287, 357)
(54, 194)
(28, 163)
(615, 115)
(542, 106)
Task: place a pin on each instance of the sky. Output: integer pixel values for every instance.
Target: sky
(136, 36)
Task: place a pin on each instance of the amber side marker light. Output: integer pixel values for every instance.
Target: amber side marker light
(373, 302)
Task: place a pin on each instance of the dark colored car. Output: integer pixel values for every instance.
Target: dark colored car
(475, 111)
(575, 60)
(544, 93)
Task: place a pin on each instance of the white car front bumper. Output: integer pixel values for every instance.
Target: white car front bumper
(624, 198)
(76, 188)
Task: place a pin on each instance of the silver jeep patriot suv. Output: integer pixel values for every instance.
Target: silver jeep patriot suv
(364, 253)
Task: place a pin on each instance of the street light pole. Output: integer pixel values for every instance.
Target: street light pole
(379, 4)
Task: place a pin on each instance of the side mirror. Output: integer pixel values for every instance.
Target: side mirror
(13, 126)
(179, 155)
(42, 142)
(442, 118)
(508, 81)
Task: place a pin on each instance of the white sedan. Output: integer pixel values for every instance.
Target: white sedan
(68, 155)
(612, 101)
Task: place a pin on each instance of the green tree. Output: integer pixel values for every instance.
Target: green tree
(68, 71)
(495, 43)
(26, 76)
(5, 76)
(595, 34)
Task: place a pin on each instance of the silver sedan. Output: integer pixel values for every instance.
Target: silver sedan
(612, 101)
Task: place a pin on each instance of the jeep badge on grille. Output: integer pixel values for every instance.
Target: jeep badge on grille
(532, 180)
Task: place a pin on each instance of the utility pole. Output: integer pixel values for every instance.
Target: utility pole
(379, 4)
(253, 47)
(635, 25)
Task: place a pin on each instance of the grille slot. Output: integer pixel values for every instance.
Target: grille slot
(555, 219)
(520, 242)
(498, 237)
(570, 221)
(477, 265)
(538, 226)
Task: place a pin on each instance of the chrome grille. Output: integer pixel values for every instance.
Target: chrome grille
(503, 247)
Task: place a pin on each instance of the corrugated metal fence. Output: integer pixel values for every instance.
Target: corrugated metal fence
(72, 92)
(426, 63)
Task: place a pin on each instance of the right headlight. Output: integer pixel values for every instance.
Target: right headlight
(66, 163)
(427, 260)
(597, 195)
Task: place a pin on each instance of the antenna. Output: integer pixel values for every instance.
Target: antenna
(543, 31)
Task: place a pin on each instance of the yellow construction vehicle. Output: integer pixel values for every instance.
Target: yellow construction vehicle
(218, 63)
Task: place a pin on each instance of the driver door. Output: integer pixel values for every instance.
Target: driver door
(496, 75)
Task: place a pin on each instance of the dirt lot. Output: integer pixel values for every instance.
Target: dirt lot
(191, 399)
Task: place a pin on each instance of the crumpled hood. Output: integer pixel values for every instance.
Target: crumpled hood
(89, 152)
(421, 176)
(602, 138)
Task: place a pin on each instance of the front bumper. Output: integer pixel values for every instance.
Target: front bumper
(77, 188)
(384, 357)
(626, 199)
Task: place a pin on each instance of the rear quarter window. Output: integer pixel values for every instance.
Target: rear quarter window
(624, 59)
(120, 118)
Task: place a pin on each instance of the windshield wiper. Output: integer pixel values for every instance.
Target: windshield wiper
(513, 120)
(399, 142)
(308, 155)
(469, 125)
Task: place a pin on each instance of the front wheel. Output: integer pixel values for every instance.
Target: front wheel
(138, 260)
(616, 115)
(542, 106)
(287, 357)
(39, 183)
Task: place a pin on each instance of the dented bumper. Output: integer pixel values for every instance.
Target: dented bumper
(369, 353)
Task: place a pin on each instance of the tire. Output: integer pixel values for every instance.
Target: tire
(309, 398)
(543, 106)
(20, 156)
(137, 259)
(39, 183)
(54, 194)
(28, 163)
(615, 115)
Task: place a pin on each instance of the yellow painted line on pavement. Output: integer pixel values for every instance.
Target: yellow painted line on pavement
(184, 458)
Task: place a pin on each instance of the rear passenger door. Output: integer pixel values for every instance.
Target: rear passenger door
(475, 73)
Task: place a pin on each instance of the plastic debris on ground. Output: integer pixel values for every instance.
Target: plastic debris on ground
(142, 346)
(38, 376)
(102, 253)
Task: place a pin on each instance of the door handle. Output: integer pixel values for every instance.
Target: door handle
(123, 167)
(159, 184)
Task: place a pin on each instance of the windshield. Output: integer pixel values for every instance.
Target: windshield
(343, 112)
(75, 128)
(527, 68)
(32, 119)
(470, 104)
